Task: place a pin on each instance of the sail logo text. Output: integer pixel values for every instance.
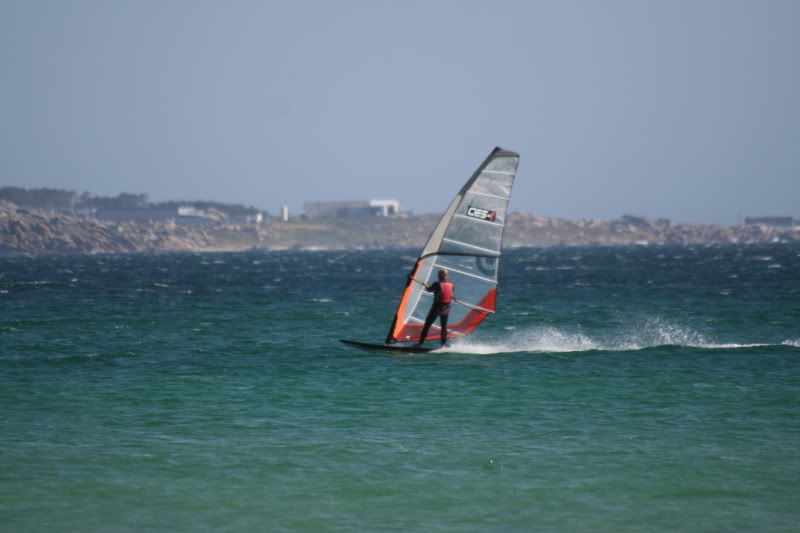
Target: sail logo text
(483, 214)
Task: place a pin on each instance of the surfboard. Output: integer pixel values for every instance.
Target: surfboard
(392, 348)
(466, 242)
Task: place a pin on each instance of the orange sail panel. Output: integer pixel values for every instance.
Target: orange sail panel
(466, 242)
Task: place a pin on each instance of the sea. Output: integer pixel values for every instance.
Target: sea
(615, 389)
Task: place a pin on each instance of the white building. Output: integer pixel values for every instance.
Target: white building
(352, 209)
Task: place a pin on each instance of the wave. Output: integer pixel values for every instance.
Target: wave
(651, 333)
(68, 358)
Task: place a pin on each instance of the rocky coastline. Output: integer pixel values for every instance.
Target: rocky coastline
(34, 231)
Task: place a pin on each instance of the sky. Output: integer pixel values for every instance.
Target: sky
(688, 110)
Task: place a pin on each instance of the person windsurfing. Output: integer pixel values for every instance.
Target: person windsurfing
(442, 298)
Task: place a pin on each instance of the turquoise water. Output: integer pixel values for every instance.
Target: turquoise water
(639, 389)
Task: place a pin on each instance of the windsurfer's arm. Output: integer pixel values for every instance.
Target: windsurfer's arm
(427, 287)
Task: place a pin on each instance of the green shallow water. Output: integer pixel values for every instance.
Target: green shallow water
(646, 389)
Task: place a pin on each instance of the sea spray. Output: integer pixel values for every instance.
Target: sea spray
(639, 334)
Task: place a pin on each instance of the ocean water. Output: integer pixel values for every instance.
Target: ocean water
(616, 389)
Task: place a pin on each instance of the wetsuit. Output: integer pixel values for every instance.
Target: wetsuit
(439, 308)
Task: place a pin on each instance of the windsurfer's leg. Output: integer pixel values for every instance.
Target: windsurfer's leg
(428, 321)
(443, 321)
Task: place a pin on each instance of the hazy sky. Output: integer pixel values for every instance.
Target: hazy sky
(688, 110)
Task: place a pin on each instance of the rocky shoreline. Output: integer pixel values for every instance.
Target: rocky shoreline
(34, 231)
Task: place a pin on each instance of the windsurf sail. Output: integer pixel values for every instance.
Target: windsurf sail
(466, 242)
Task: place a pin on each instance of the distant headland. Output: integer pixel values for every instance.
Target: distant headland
(60, 222)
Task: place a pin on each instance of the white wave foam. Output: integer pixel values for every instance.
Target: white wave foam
(638, 335)
(792, 342)
(529, 340)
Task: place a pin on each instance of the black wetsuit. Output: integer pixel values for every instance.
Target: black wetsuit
(437, 309)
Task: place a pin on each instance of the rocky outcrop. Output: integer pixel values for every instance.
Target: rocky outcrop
(526, 230)
(36, 231)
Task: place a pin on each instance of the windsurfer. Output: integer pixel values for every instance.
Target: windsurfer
(442, 298)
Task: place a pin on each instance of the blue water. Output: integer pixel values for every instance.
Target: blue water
(637, 389)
